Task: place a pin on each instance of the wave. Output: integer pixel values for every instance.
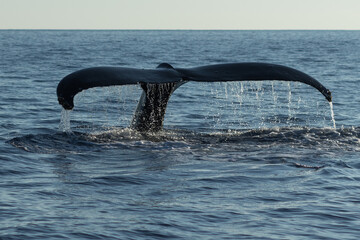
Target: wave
(324, 139)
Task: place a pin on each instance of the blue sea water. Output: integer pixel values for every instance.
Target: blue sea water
(235, 160)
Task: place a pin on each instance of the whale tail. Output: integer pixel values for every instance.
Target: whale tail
(158, 84)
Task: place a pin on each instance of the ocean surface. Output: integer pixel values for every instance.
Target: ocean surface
(241, 160)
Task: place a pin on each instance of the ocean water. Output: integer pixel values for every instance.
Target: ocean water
(238, 160)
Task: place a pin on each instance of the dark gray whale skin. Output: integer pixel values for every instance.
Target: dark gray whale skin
(158, 84)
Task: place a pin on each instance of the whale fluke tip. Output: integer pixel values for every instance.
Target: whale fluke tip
(67, 105)
(327, 95)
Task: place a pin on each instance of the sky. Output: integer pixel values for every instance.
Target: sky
(180, 14)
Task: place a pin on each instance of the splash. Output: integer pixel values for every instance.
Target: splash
(64, 125)
(332, 115)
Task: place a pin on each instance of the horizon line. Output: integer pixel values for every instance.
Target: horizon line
(179, 29)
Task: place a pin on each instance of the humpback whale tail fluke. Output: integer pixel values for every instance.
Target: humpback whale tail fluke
(158, 84)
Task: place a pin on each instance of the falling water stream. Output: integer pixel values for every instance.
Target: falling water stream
(64, 125)
(289, 101)
(332, 115)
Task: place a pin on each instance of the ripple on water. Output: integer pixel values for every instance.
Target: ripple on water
(326, 140)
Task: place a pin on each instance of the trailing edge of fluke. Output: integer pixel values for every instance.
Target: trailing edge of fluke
(158, 84)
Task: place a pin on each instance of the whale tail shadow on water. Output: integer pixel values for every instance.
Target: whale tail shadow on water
(158, 84)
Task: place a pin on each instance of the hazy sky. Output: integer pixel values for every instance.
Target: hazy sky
(180, 14)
